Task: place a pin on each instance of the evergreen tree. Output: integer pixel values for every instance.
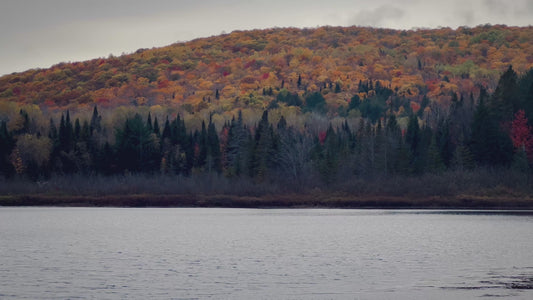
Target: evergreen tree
(489, 145)
(214, 155)
(393, 134)
(505, 101)
(236, 149)
(337, 88)
(136, 147)
(263, 149)
(77, 129)
(52, 132)
(315, 102)
(167, 134)
(149, 125)
(327, 157)
(413, 142)
(202, 143)
(354, 102)
(156, 127)
(435, 163)
(7, 144)
(381, 157)
(96, 121)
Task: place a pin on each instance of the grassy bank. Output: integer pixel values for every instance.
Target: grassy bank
(480, 189)
(270, 201)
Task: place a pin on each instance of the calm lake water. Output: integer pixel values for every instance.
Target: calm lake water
(122, 253)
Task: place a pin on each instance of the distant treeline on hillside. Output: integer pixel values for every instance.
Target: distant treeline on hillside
(490, 130)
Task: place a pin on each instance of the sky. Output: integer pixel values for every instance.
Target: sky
(41, 33)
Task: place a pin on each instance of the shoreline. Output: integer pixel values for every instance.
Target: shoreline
(273, 201)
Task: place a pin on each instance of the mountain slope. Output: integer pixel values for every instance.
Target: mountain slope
(249, 68)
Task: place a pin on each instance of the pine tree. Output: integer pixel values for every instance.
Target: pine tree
(149, 125)
(435, 163)
(7, 144)
(96, 120)
(382, 154)
(337, 88)
(327, 159)
(214, 156)
(156, 127)
(77, 129)
(263, 148)
(236, 149)
(413, 142)
(135, 147)
(489, 145)
(505, 101)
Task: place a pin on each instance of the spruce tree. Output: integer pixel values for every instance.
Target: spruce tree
(213, 145)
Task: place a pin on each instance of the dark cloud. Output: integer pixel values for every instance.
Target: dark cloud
(379, 16)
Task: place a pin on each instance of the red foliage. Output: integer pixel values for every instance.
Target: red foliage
(102, 101)
(521, 134)
(415, 106)
(265, 76)
(163, 84)
(226, 73)
(16, 91)
(322, 137)
(249, 64)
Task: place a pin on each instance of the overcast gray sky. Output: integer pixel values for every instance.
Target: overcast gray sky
(40, 33)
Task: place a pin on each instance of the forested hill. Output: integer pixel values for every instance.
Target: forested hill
(294, 109)
(250, 69)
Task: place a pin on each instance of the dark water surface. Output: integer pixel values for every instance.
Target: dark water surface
(123, 253)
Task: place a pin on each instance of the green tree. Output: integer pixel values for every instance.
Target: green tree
(263, 152)
(315, 102)
(327, 157)
(414, 143)
(136, 147)
(489, 144)
(236, 150)
(505, 101)
(6, 147)
(214, 155)
(435, 163)
(96, 121)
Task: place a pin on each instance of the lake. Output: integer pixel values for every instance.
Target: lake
(212, 253)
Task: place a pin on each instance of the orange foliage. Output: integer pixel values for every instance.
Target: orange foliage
(439, 61)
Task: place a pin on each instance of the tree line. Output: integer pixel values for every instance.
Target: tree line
(490, 130)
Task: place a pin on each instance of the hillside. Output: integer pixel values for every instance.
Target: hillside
(250, 68)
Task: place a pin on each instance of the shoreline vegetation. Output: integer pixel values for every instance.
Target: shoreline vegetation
(271, 201)
(481, 189)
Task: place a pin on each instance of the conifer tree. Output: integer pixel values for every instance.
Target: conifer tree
(96, 120)
(213, 146)
(6, 147)
(263, 148)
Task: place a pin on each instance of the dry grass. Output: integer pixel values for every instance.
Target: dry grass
(483, 188)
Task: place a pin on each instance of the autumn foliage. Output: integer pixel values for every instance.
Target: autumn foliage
(211, 73)
(521, 134)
